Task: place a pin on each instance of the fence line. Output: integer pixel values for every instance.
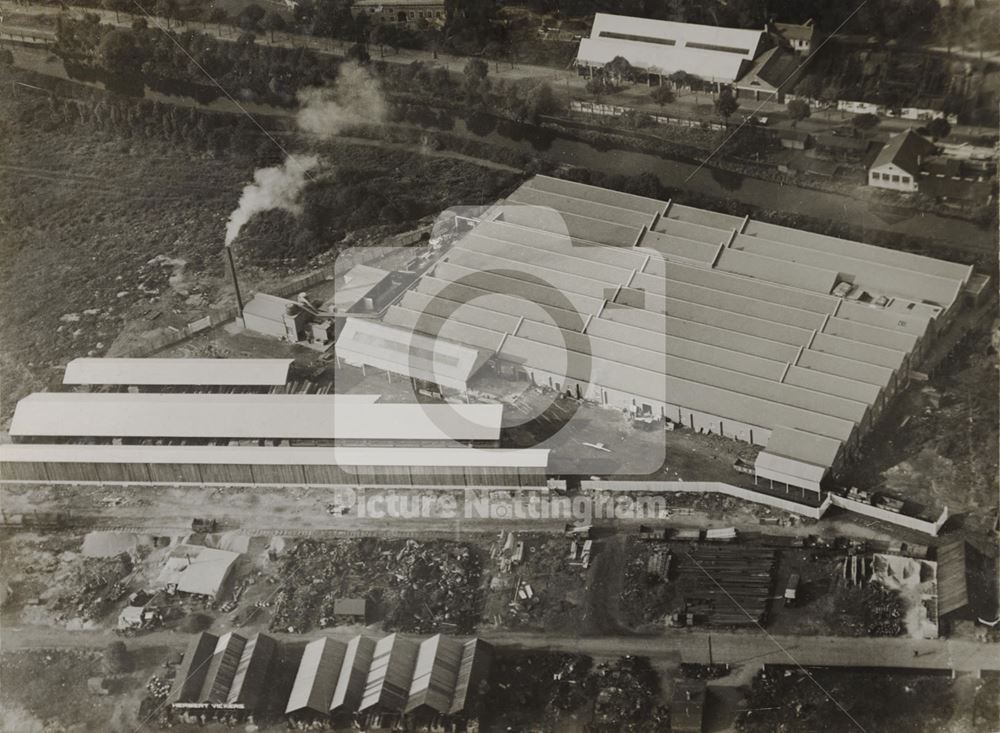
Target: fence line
(705, 487)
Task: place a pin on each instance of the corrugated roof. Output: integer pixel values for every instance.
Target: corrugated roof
(953, 592)
(754, 335)
(435, 674)
(174, 372)
(580, 207)
(595, 193)
(477, 656)
(390, 674)
(267, 306)
(248, 686)
(193, 669)
(379, 345)
(789, 471)
(196, 569)
(663, 46)
(355, 285)
(222, 668)
(274, 456)
(238, 416)
(353, 674)
(317, 675)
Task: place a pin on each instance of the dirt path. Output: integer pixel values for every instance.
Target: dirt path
(749, 648)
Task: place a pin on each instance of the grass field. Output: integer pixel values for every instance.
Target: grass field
(101, 232)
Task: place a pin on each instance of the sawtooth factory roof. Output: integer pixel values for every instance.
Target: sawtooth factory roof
(793, 332)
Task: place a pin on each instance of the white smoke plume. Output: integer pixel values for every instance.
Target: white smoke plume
(278, 187)
(356, 98)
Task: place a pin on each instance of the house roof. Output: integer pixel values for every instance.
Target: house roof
(904, 150)
(796, 31)
(775, 67)
(245, 416)
(663, 47)
(178, 372)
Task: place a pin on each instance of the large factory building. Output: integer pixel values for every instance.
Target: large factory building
(786, 339)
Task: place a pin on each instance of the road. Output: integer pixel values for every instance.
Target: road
(733, 648)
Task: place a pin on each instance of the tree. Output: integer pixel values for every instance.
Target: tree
(865, 121)
(116, 6)
(251, 16)
(599, 86)
(938, 128)
(477, 83)
(726, 104)
(380, 36)
(116, 658)
(167, 9)
(358, 53)
(798, 110)
(680, 78)
(274, 22)
(619, 69)
(119, 51)
(662, 95)
(218, 16)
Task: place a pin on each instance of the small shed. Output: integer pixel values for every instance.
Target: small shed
(197, 570)
(350, 611)
(273, 316)
(795, 139)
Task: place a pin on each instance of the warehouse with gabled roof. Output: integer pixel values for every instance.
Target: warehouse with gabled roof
(662, 47)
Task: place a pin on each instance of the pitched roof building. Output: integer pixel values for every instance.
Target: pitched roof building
(898, 164)
(440, 675)
(662, 47)
(227, 672)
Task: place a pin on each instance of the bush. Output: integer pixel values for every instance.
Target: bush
(116, 658)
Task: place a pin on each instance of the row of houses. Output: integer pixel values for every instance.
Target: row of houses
(437, 678)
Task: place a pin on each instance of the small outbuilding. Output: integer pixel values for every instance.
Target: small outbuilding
(350, 611)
